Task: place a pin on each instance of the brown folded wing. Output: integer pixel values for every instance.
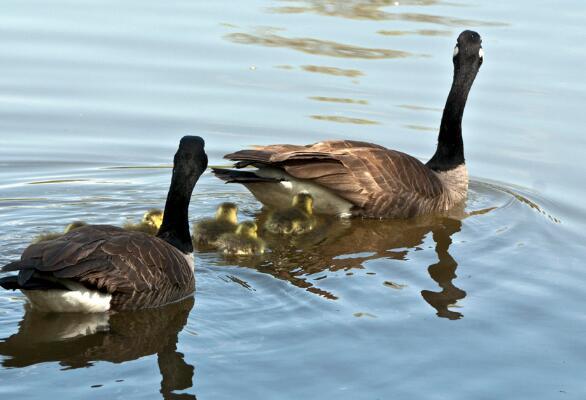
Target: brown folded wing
(139, 270)
(379, 182)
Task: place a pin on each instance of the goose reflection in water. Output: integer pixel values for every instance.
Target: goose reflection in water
(346, 245)
(80, 340)
(444, 271)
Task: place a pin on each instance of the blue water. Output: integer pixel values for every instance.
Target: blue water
(94, 97)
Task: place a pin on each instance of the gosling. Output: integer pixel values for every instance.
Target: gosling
(43, 237)
(243, 242)
(206, 232)
(296, 220)
(150, 223)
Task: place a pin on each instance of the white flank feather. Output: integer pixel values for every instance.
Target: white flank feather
(77, 299)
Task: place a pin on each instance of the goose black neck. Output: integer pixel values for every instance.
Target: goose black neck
(450, 146)
(187, 169)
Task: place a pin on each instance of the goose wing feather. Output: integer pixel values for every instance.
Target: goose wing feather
(377, 181)
(139, 270)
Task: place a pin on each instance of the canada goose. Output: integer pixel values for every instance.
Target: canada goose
(43, 237)
(296, 220)
(150, 223)
(352, 178)
(206, 232)
(98, 268)
(243, 242)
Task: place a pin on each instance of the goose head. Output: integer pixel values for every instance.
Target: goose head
(468, 52)
(190, 161)
(303, 201)
(227, 212)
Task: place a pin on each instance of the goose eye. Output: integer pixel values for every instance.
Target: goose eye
(481, 53)
(456, 51)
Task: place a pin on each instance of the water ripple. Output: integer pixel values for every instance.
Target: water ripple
(316, 46)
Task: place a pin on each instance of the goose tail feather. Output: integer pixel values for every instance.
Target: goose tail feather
(232, 176)
(13, 266)
(14, 283)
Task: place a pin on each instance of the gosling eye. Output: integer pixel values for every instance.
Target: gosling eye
(456, 51)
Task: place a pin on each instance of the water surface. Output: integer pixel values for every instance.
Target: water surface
(486, 303)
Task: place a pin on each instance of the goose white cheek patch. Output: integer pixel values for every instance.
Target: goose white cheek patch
(456, 51)
(481, 53)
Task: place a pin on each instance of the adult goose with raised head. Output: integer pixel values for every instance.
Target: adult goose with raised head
(98, 268)
(352, 178)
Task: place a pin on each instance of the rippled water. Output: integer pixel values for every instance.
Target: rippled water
(486, 304)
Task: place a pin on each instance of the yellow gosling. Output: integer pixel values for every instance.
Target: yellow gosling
(206, 232)
(243, 242)
(43, 237)
(153, 217)
(74, 225)
(296, 220)
(150, 223)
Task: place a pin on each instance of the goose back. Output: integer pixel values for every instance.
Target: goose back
(378, 182)
(136, 269)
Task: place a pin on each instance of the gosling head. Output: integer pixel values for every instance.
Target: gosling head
(74, 225)
(227, 212)
(304, 201)
(248, 229)
(153, 218)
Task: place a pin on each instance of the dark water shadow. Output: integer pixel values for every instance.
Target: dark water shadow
(80, 340)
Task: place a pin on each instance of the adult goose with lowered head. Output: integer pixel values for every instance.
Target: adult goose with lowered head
(352, 178)
(97, 268)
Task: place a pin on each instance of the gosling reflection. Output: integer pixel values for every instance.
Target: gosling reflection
(348, 245)
(79, 340)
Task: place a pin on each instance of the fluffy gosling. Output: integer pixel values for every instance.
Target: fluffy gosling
(43, 237)
(206, 232)
(296, 220)
(150, 223)
(243, 242)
